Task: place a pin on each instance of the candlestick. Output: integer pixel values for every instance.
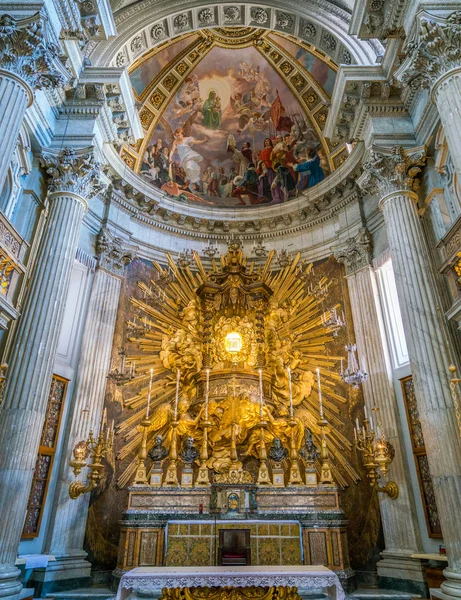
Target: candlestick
(290, 392)
(178, 375)
(320, 393)
(261, 394)
(365, 411)
(149, 393)
(207, 392)
(355, 434)
(357, 424)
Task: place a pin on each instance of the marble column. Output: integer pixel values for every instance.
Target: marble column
(28, 62)
(393, 172)
(399, 520)
(73, 178)
(434, 62)
(66, 529)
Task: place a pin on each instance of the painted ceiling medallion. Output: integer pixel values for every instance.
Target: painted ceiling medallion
(233, 118)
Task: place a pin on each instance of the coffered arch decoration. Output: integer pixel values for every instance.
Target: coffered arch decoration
(145, 24)
(268, 85)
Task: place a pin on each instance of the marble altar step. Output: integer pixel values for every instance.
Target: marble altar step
(377, 594)
(90, 593)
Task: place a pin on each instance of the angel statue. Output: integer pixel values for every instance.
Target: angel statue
(189, 159)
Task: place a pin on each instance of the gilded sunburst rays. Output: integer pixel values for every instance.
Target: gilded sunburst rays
(178, 320)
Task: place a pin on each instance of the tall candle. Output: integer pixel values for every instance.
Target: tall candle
(365, 411)
(290, 392)
(149, 393)
(320, 393)
(178, 375)
(261, 394)
(207, 392)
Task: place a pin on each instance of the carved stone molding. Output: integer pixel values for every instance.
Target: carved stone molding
(74, 171)
(26, 51)
(357, 253)
(388, 170)
(112, 256)
(434, 50)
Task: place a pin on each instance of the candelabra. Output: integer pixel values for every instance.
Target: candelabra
(119, 374)
(353, 375)
(95, 448)
(259, 249)
(331, 320)
(211, 249)
(377, 453)
(141, 472)
(203, 478)
(263, 471)
(326, 478)
(234, 243)
(283, 258)
(295, 472)
(184, 258)
(171, 477)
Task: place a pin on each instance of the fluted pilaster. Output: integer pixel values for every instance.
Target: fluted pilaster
(29, 377)
(73, 176)
(67, 528)
(447, 96)
(400, 525)
(430, 354)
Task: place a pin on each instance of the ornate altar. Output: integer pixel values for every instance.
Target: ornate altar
(232, 416)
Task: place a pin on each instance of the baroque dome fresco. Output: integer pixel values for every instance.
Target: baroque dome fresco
(233, 118)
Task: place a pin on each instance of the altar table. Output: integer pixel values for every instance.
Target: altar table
(149, 582)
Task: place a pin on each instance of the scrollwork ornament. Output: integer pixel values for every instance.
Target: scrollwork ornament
(231, 13)
(25, 51)
(206, 16)
(436, 50)
(74, 171)
(111, 253)
(157, 32)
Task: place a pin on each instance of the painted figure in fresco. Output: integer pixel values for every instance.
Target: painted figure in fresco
(189, 159)
(311, 166)
(211, 111)
(248, 186)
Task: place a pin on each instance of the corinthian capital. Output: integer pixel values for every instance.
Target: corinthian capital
(25, 51)
(111, 253)
(387, 170)
(74, 171)
(432, 52)
(356, 254)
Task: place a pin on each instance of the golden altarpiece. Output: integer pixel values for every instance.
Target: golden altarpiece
(234, 417)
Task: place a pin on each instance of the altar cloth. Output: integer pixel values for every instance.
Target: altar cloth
(149, 581)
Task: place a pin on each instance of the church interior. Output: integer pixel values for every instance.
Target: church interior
(230, 300)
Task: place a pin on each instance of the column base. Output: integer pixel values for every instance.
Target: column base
(398, 571)
(9, 584)
(70, 571)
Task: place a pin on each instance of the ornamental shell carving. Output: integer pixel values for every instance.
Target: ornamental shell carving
(181, 22)
(259, 15)
(231, 13)
(309, 30)
(158, 31)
